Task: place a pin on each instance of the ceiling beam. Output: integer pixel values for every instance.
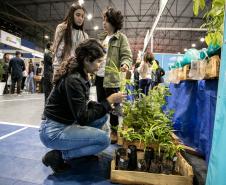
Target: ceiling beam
(162, 7)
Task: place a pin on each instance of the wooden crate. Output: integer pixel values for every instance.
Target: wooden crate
(183, 73)
(135, 177)
(212, 67)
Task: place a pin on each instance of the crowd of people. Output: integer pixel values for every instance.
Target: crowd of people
(23, 76)
(72, 124)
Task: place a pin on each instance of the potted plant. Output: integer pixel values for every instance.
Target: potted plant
(145, 121)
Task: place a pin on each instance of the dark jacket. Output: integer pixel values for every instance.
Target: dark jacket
(48, 67)
(159, 73)
(16, 67)
(69, 102)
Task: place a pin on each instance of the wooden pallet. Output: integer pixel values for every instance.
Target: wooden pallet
(135, 177)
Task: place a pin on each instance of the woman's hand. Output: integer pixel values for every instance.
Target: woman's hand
(116, 98)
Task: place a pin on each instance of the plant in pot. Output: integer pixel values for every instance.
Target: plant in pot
(146, 122)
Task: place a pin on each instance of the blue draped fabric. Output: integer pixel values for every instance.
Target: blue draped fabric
(194, 103)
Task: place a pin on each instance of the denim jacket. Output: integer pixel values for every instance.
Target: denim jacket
(119, 53)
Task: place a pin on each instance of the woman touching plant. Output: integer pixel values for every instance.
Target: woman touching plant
(73, 125)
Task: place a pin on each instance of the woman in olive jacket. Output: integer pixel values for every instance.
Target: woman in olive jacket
(118, 54)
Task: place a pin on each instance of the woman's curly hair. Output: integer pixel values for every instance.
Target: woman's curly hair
(88, 50)
(115, 18)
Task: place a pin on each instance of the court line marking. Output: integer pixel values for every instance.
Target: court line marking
(12, 133)
(20, 99)
(18, 124)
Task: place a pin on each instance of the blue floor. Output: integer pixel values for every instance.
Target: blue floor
(20, 159)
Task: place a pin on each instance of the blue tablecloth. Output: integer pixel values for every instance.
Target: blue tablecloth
(194, 103)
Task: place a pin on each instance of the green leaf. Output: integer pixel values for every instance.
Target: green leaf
(202, 4)
(196, 7)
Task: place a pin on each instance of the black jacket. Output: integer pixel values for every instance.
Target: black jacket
(69, 102)
(16, 67)
(159, 73)
(48, 68)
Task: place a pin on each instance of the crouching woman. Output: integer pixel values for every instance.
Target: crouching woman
(73, 125)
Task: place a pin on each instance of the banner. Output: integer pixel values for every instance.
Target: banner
(9, 39)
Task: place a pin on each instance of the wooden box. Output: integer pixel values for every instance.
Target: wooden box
(183, 73)
(212, 67)
(136, 177)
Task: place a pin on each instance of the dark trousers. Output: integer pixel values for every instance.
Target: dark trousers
(144, 85)
(47, 85)
(102, 94)
(23, 82)
(16, 80)
(5, 79)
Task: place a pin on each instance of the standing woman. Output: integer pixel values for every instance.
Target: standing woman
(73, 123)
(118, 53)
(145, 71)
(5, 74)
(68, 35)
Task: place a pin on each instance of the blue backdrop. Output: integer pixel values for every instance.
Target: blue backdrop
(194, 103)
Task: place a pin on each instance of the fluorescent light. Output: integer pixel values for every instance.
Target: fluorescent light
(89, 16)
(95, 27)
(46, 37)
(193, 45)
(202, 39)
(185, 49)
(81, 2)
(178, 53)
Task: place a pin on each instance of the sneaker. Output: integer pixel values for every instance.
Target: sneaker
(54, 160)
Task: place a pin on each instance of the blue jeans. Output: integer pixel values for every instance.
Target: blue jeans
(74, 140)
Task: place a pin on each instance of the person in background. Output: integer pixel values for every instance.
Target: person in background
(48, 71)
(73, 122)
(158, 74)
(30, 78)
(136, 77)
(37, 69)
(68, 35)
(5, 74)
(16, 68)
(118, 54)
(145, 72)
(23, 82)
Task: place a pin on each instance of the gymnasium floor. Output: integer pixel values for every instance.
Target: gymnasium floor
(21, 150)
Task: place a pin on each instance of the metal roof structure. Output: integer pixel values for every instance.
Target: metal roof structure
(32, 19)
